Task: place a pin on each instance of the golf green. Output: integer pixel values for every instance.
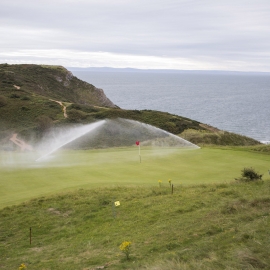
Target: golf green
(22, 178)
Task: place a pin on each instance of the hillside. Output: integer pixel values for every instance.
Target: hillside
(36, 98)
(184, 209)
(218, 226)
(54, 82)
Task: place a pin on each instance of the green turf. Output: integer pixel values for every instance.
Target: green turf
(68, 170)
(206, 227)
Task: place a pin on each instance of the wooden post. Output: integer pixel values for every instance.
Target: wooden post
(172, 188)
(113, 209)
(30, 235)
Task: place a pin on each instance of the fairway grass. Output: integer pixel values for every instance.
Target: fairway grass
(22, 178)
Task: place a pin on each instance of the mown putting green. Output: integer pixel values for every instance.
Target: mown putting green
(68, 170)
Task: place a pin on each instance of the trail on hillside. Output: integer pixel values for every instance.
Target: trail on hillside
(17, 87)
(22, 144)
(63, 106)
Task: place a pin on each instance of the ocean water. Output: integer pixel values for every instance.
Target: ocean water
(238, 103)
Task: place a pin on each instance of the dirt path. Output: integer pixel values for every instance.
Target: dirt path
(23, 145)
(63, 106)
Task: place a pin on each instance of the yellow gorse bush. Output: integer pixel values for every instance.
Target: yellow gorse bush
(125, 245)
(125, 248)
(22, 266)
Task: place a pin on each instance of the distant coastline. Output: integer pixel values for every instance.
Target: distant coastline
(132, 70)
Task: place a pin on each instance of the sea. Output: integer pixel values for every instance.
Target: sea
(234, 102)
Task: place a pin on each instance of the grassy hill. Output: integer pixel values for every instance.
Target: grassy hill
(61, 213)
(33, 97)
(53, 82)
(210, 221)
(217, 226)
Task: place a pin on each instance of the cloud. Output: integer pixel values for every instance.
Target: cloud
(69, 58)
(190, 34)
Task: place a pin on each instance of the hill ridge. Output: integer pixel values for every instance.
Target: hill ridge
(28, 95)
(53, 82)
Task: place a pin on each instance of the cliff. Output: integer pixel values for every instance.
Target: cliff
(54, 82)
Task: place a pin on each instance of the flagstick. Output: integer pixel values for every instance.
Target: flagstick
(138, 144)
(140, 154)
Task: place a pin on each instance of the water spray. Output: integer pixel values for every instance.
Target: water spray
(68, 137)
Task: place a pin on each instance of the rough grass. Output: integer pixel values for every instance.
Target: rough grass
(213, 226)
(213, 136)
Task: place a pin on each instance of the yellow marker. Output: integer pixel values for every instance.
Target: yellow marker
(117, 203)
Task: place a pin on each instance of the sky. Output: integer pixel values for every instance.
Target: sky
(146, 34)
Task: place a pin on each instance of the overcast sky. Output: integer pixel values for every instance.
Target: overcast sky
(160, 34)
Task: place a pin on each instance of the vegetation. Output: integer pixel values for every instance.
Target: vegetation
(179, 209)
(28, 92)
(3, 101)
(76, 116)
(213, 136)
(53, 82)
(214, 226)
(44, 123)
(203, 226)
(260, 148)
(249, 174)
(22, 178)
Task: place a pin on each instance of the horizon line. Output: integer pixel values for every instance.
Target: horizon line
(130, 69)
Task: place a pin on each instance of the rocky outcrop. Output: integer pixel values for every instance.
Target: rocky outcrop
(54, 82)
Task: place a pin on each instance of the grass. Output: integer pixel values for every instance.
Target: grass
(213, 136)
(210, 221)
(49, 81)
(67, 170)
(213, 226)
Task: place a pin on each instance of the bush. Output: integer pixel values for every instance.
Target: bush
(76, 115)
(3, 101)
(25, 98)
(14, 96)
(249, 174)
(44, 123)
(24, 108)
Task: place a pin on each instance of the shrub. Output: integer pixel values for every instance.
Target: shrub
(76, 115)
(3, 101)
(44, 123)
(14, 96)
(25, 98)
(249, 174)
(125, 248)
(24, 108)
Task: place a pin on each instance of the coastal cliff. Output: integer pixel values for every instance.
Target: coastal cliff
(54, 82)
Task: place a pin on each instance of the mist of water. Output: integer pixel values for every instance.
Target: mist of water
(124, 133)
(102, 134)
(44, 149)
(165, 138)
(60, 139)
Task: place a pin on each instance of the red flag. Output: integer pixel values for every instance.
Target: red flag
(137, 142)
